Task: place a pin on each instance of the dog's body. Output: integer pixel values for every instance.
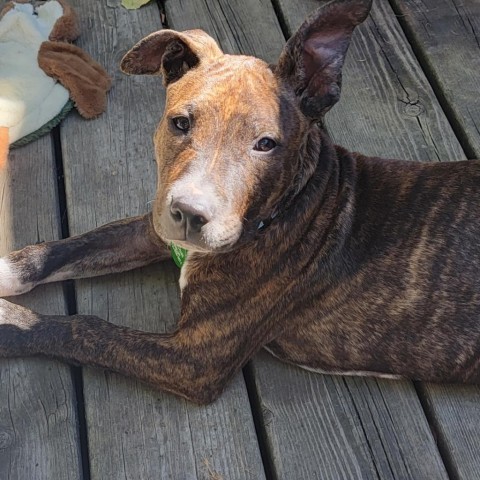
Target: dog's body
(331, 260)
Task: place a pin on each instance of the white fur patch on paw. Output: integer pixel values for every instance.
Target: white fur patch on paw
(21, 317)
(10, 282)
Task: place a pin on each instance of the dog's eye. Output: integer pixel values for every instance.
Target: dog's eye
(265, 144)
(181, 123)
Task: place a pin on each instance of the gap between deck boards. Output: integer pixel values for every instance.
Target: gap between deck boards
(71, 305)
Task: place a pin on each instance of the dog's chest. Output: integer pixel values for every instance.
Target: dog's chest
(183, 280)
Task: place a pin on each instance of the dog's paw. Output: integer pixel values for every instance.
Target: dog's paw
(10, 281)
(16, 315)
(16, 323)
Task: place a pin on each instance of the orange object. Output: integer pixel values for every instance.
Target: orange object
(3, 146)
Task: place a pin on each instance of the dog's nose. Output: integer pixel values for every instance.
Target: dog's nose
(193, 214)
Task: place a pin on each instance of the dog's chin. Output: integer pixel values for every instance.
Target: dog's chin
(215, 237)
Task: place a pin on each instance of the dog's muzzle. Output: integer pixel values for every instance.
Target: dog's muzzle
(189, 217)
(196, 224)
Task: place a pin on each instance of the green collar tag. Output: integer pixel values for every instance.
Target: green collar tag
(179, 254)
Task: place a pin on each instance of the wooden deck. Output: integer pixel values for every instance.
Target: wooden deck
(411, 90)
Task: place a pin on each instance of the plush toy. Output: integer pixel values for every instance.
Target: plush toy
(42, 75)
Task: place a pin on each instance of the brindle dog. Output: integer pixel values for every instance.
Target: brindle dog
(331, 260)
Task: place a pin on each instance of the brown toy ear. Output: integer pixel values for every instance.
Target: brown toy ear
(84, 78)
(66, 28)
(311, 62)
(170, 54)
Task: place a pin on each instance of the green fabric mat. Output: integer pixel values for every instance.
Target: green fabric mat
(44, 128)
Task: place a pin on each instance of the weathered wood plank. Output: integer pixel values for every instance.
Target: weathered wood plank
(133, 431)
(319, 427)
(249, 27)
(455, 415)
(38, 419)
(446, 35)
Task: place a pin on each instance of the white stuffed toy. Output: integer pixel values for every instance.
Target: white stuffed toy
(40, 72)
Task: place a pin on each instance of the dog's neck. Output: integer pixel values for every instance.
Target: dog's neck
(307, 164)
(310, 228)
(323, 191)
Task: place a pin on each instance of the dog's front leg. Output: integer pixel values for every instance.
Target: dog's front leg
(194, 362)
(115, 247)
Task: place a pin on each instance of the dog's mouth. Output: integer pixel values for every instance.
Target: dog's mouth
(218, 236)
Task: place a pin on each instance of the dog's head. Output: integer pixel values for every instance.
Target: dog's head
(230, 147)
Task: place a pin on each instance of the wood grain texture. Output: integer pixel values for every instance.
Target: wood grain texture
(324, 427)
(328, 427)
(133, 431)
(38, 420)
(446, 35)
(455, 414)
(248, 27)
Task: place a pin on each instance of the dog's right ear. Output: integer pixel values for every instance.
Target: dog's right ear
(170, 53)
(311, 62)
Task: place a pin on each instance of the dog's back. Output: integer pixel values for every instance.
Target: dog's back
(396, 282)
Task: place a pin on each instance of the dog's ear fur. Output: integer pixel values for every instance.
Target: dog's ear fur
(311, 62)
(170, 53)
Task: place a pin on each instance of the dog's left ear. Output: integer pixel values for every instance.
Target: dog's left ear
(170, 53)
(311, 62)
